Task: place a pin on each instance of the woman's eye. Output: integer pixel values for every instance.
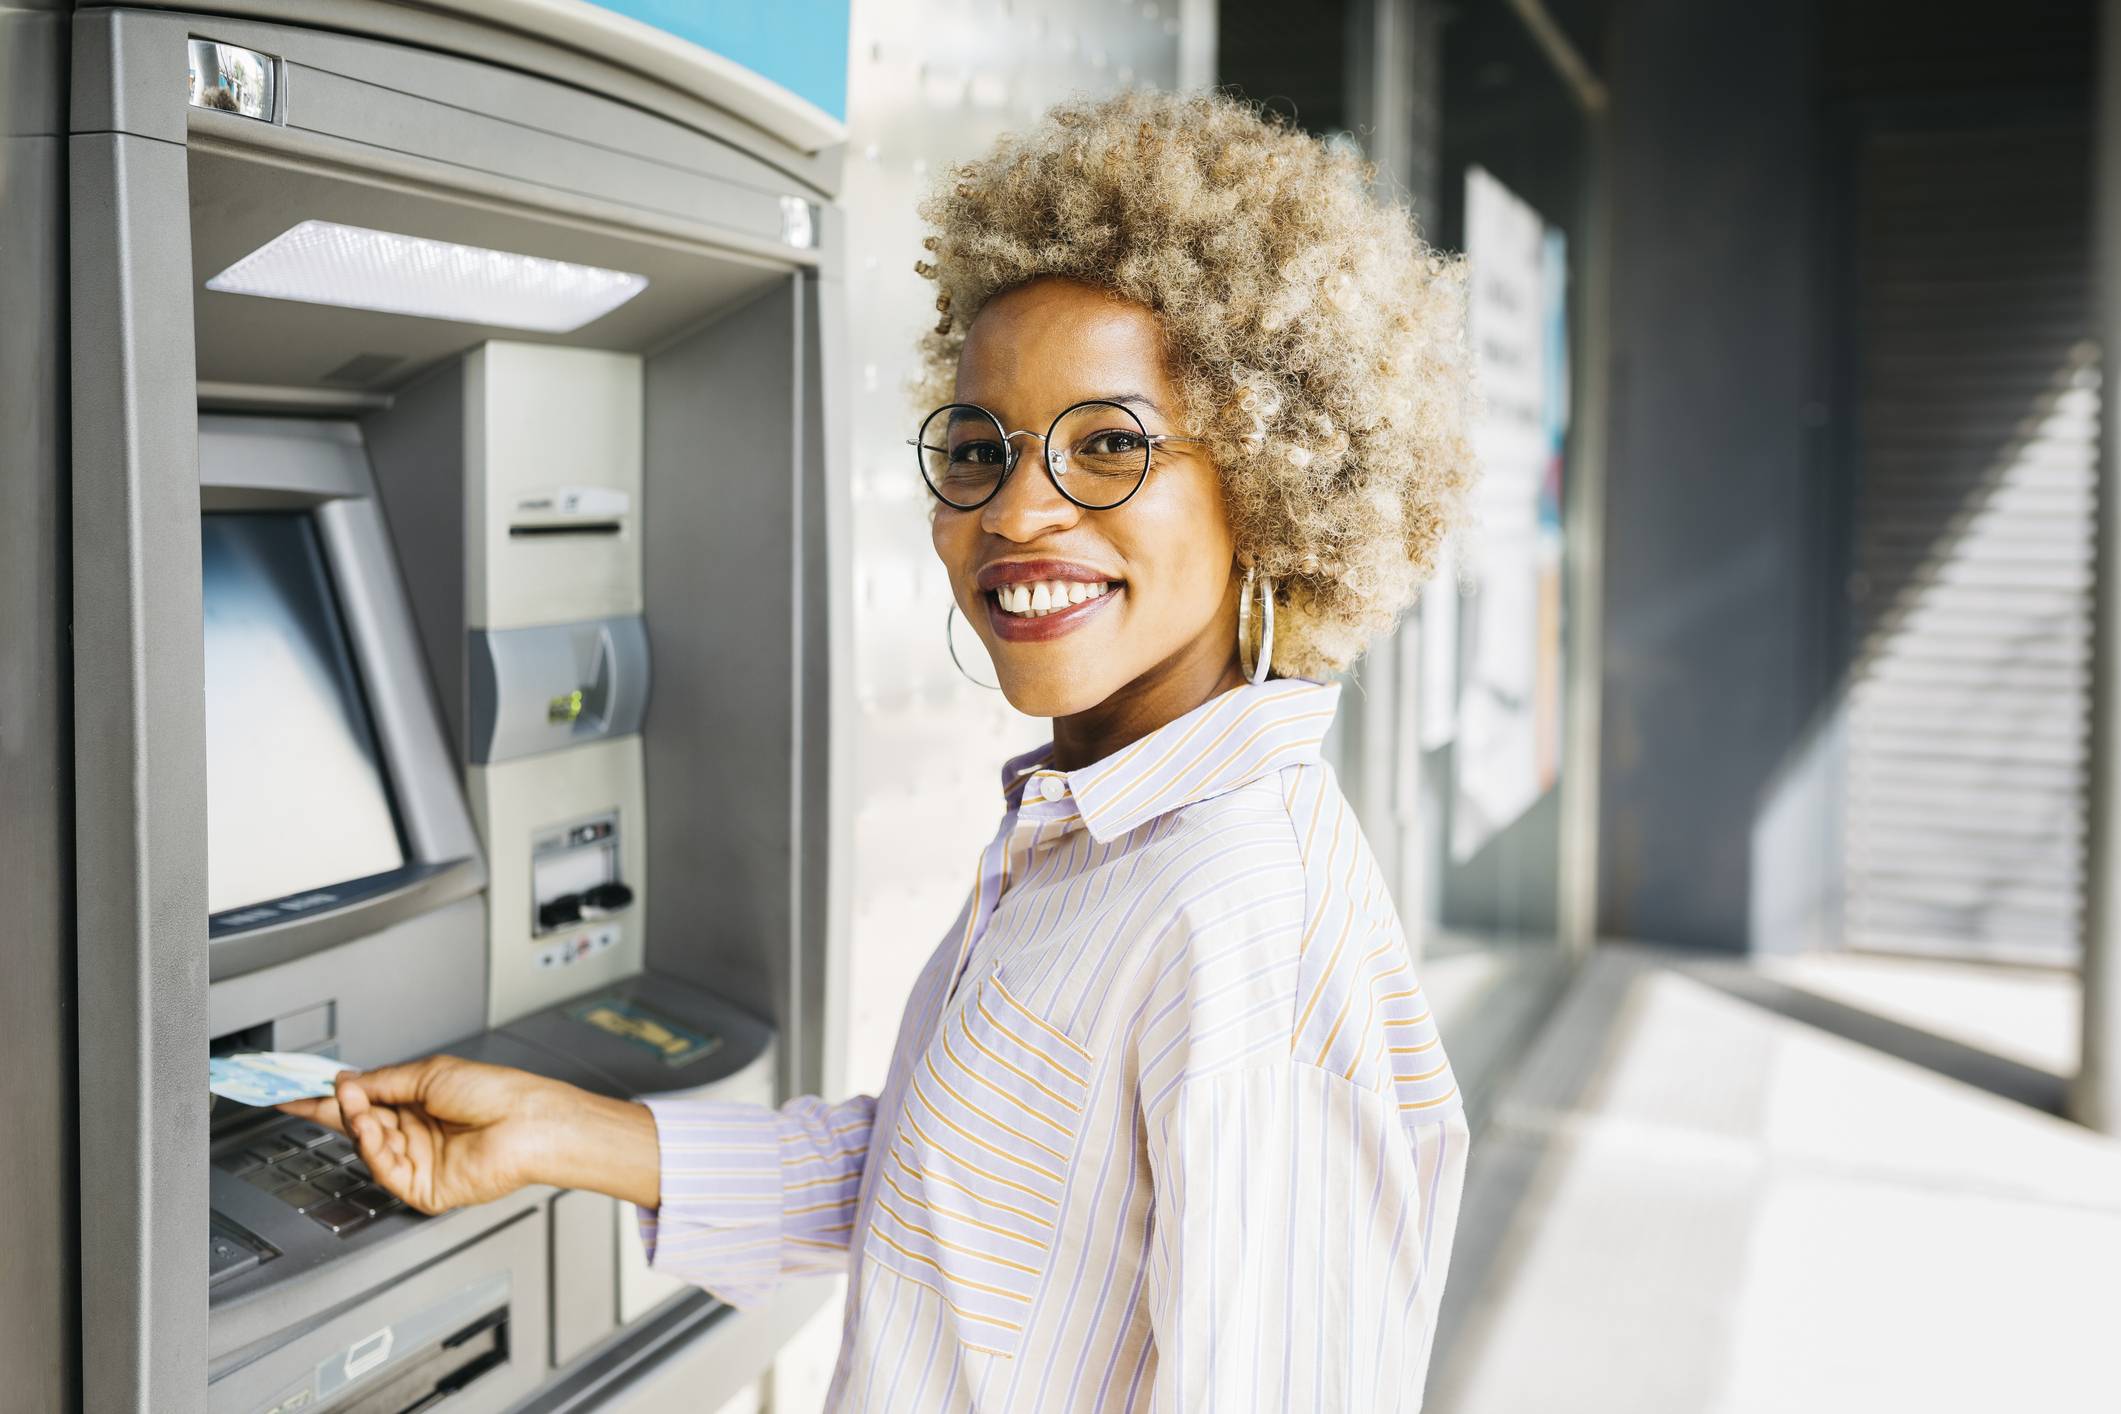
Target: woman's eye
(1114, 443)
(976, 454)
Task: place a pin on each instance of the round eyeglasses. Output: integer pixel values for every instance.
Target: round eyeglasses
(1097, 453)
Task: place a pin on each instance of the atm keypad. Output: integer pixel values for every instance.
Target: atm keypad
(315, 1172)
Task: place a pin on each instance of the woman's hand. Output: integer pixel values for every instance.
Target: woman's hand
(444, 1133)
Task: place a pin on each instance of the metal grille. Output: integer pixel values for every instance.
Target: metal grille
(1972, 598)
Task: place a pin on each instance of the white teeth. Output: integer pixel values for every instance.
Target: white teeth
(1046, 596)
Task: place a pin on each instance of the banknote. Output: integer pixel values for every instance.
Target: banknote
(271, 1077)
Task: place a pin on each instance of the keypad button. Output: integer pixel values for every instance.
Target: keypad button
(338, 1215)
(309, 1136)
(268, 1178)
(375, 1199)
(239, 1163)
(302, 1196)
(274, 1149)
(305, 1165)
(336, 1149)
(338, 1182)
(358, 1167)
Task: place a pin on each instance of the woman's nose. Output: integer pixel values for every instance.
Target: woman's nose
(1029, 504)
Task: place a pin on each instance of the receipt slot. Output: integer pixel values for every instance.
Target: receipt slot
(427, 378)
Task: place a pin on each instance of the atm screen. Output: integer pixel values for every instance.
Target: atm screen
(295, 793)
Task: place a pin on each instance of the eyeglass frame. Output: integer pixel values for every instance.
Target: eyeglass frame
(1012, 454)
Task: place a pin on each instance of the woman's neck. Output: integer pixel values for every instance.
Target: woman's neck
(1163, 694)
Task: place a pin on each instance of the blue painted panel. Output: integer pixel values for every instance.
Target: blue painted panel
(799, 44)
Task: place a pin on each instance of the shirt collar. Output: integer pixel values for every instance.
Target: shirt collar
(1227, 742)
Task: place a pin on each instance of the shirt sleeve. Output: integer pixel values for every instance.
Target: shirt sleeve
(1300, 1235)
(753, 1194)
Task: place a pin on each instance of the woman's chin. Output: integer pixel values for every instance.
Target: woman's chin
(1054, 689)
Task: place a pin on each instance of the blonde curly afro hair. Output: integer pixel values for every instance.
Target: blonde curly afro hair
(1319, 343)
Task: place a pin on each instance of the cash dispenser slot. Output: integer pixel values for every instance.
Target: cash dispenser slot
(574, 874)
(430, 1376)
(465, 1334)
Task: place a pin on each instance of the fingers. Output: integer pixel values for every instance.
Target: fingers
(393, 1084)
(383, 1150)
(324, 1111)
(378, 1132)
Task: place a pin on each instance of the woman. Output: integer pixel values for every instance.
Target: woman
(1168, 1124)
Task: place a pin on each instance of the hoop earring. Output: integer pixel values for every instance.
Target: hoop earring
(1264, 662)
(950, 641)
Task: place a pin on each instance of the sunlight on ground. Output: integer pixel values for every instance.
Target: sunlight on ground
(1694, 1205)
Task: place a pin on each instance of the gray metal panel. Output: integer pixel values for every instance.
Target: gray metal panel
(811, 891)
(37, 37)
(722, 556)
(410, 895)
(141, 791)
(315, 461)
(701, 141)
(125, 75)
(388, 117)
(39, 1260)
(516, 1252)
(337, 37)
(416, 447)
(833, 646)
(585, 1273)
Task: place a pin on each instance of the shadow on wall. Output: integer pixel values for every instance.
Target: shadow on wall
(1848, 526)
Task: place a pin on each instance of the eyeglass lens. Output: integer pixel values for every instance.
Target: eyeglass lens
(1098, 453)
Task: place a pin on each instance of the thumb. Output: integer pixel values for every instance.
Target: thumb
(387, 1084)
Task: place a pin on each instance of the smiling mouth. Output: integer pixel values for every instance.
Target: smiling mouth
(1038, 598)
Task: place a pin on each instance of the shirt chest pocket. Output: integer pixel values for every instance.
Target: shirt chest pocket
(969, 1199)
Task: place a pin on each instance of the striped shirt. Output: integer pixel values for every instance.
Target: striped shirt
(1168, 1125)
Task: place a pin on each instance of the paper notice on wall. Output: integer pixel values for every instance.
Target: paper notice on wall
(1509, 623)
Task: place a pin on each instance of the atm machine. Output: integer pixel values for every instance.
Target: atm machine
(454, 486)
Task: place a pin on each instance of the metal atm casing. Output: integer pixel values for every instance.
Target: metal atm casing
(428, 110)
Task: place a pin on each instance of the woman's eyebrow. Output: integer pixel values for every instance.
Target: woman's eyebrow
(1138, 399)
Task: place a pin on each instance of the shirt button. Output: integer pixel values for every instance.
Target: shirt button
(1052, 787)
